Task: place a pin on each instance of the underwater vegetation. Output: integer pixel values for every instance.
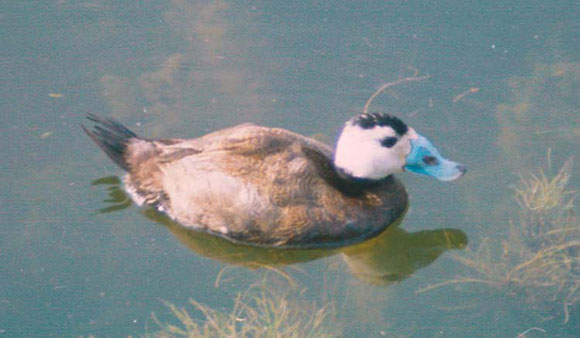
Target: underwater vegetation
(258, 312)
(542, 108)
(539, 261)
(195, 78)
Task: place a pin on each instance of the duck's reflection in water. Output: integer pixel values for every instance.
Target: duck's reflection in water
(390, 257)
(223, 250)
(396, 254)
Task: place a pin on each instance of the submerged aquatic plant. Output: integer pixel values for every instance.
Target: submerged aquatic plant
(540, 259)
(256, 313)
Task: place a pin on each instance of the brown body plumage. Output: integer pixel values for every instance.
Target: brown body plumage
(252, 184)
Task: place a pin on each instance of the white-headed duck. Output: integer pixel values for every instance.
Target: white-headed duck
(272, 187)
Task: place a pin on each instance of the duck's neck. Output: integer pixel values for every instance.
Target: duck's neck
(339, 178)
(352, 185)
(344, 175)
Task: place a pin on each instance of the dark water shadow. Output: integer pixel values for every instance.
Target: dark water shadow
(396, 254)
(390, 257)
(118, 199)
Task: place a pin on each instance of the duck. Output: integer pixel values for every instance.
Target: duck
(271, 187)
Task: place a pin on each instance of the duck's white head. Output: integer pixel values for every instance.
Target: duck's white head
(375, 145)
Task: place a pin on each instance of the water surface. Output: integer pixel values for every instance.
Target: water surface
(184, 68)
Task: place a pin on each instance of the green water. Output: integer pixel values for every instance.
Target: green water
(183, 68)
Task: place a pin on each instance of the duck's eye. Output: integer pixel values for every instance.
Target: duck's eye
(388, 141)
(430, 160)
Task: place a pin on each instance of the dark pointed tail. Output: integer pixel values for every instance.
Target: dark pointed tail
(112, 137)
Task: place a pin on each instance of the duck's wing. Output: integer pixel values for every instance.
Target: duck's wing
(247, 152)
(245, 140)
